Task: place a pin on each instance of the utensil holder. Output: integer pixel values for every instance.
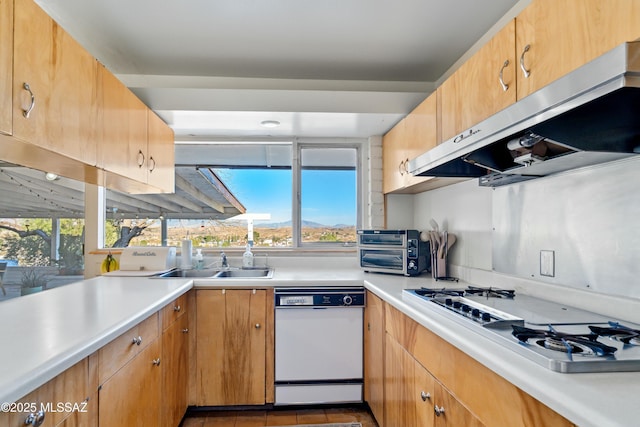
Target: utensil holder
(439, 268)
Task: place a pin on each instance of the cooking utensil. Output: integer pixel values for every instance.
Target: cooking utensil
(434, 225)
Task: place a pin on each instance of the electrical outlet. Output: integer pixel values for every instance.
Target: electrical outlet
(547, 263)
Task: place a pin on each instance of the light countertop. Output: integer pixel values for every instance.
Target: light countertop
(51, 331)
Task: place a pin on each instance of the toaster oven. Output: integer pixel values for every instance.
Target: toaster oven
(393, 251)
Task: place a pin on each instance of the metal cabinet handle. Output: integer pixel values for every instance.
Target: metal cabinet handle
(152, 162)
(26, 112)
(156, 362)
(257, 325)
(35, 419)
(177, 308)
(526, 72)
(185, 331)
(438, 410)
(505, 86)
(141, 158)
(137, 340)
(401, 168)
(425, 396)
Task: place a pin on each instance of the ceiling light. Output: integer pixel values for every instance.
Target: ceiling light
(50, 176)
(270, 123)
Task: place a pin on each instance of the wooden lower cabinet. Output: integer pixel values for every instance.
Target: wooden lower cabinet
(231, 356)
(413, 397)
(175, 371)
(493, 400)
(132, 396)
(374, 356)
(72, 387)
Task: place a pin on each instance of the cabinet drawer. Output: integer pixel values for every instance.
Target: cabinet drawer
(71, 387)
(114, 355)
(172, 311)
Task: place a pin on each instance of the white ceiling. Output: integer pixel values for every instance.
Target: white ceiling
(324, 68)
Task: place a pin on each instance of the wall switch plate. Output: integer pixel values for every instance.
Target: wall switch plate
(547, 263)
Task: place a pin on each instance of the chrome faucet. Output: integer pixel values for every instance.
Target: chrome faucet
(223, 260)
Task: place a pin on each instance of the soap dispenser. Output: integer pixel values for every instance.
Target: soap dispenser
(199, 259)
(247, 258)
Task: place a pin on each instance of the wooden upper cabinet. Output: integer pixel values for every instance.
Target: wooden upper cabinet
(161, 152)
(482, 86)
(6, 65)
(562, 35)
(415, 134)
(55, 81)
(123, 145)
(393, 158)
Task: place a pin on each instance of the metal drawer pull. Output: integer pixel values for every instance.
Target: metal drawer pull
(439, 411)
(152, 162)
(257, 325)
(185, 331)
(425, 396)
(526, 72)
(177, 308)
(26, 112)
(505, 86)
(141, 158)
(137, 341)
(156, 362)
(35, 419)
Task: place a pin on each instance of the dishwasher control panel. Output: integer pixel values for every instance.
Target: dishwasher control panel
(319, 297)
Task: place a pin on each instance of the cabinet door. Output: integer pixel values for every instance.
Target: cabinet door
(62, 77)
(374, 356)
(131, 397)
(399, 399)
(175, 371)
(421, 131)
(6, 65)
(451, 412)
(565, 34)
(231, 340)
(123, 143)
(160, 148)
(393, 157)
(69, 386)
(425, 389)
(474, 92)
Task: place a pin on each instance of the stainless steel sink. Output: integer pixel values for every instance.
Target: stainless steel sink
(253, 273)
(232, 273)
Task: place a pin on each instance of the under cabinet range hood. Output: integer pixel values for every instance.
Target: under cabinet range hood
(590, 116)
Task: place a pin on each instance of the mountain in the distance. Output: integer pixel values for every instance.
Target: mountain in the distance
(306, 224)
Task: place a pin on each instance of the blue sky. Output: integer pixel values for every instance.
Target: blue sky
(326, 198)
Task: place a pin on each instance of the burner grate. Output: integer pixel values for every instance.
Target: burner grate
(618, 332)
(432, 293)
(491, 292)
(571, 343)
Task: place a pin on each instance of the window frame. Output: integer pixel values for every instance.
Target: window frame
(296, 199)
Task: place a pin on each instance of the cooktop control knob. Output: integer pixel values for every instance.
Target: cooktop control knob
(466, 308)
(475, 312)
(486, 317)
(347, 300)
(448, 301)
(457, 304)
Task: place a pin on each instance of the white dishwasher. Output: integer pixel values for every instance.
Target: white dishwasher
(318, 345)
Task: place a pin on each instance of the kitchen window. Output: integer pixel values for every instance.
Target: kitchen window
(288, 194)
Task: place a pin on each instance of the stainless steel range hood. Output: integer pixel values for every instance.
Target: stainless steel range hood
(590, 116)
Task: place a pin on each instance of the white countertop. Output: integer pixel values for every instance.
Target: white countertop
(44, 334)
(50, 331)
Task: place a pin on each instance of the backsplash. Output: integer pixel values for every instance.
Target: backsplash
(587, 217)
(587, 220)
